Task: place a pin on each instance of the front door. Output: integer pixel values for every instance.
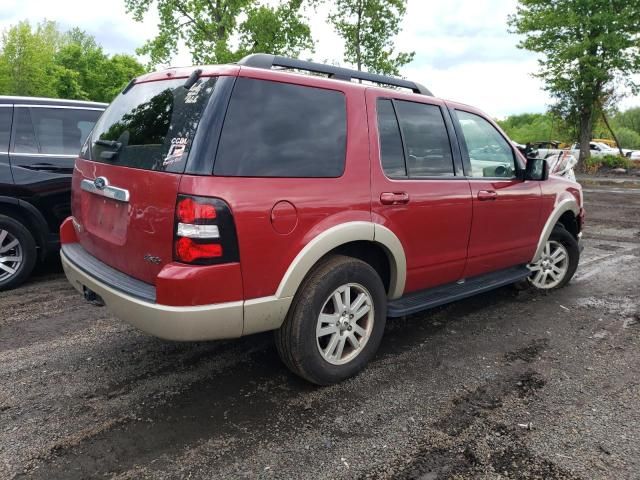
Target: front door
(506, 210)
(418, 190)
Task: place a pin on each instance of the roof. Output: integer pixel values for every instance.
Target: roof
(4, 100)
(286, 66)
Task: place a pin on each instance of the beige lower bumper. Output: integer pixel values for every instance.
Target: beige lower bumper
(205, 322)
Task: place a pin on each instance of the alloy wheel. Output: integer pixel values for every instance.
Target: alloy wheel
(345, 323)
(552, 267)
(11, 256)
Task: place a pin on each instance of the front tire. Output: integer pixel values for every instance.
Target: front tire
(558, 262)
(335, 323)
(17, 253)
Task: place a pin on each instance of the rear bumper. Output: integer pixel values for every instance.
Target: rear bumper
(203, 322)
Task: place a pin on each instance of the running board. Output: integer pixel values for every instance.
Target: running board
(434, 297)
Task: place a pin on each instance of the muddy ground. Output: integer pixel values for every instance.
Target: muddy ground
(504, 385)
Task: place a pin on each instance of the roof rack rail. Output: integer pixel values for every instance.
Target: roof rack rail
(264, 60)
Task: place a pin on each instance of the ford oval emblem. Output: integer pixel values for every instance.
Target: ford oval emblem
(100, 183)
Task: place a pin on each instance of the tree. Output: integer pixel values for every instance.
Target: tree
(536, 127)
(628, 138)
(275, 30)
(26, 59)
(207, 28)
(589, 47)
(629, 119)
(49, 63)
(368, 28)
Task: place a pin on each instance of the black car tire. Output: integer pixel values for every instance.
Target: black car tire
(297, 341)
(561, 236)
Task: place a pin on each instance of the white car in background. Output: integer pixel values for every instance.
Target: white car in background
(597, 150)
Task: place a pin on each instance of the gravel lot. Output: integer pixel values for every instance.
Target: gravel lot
(504, 385)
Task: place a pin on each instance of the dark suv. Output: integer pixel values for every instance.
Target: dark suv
(39, 140)
(222, 201)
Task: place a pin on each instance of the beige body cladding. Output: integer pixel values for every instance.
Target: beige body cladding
(244, 317)
(235, 319)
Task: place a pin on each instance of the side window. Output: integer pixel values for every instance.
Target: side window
(6, 113)
(391, 152)
(277, 129)
(25, 138)
(426, 151)
(53, 131)
(62, 131)
(489, 153)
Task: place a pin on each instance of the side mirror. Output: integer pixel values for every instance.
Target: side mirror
(537, 169)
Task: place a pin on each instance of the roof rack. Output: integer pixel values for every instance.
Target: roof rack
(264, 60)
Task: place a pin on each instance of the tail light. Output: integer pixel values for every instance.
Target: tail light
(205, 233)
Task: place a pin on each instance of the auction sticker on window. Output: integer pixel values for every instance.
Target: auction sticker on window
(176, 151)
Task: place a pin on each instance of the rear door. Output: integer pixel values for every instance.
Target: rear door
(127, 179)
(506, 210)
(45, 142)
(418, 190)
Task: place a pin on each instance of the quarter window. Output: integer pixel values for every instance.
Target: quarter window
(25, 138)
(426, 151)
(490, 154)
(277, 129)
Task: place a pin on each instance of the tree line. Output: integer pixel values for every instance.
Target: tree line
(44, 61)
(541, 127)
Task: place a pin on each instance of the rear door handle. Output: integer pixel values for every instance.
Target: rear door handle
(394, 198)
(484, 195)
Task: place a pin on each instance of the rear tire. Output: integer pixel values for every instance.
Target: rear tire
(319, 342)
(18, 253)
(558, 263)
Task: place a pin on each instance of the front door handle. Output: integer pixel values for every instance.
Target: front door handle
(484, 195)
(394, 198)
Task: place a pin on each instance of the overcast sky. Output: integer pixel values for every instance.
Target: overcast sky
(463, 49)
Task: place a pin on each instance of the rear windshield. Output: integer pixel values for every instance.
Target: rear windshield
(151, 126)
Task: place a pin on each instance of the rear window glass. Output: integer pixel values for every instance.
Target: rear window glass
(152, 126)
(281, 130)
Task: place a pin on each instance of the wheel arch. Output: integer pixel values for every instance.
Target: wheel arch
(30, 217)
(564, 210)
(347, 237)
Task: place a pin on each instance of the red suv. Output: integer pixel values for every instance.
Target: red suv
(229, 200)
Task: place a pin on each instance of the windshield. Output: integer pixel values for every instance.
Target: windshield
(151, 126)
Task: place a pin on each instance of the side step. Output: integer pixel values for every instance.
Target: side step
(434, 297)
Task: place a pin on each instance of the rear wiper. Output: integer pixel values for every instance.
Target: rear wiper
(109, 155)
(193, 78)
(129, 86)
(109, 143)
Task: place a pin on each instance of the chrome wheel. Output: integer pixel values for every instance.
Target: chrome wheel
(552, 267)
(345, 323)
(10, 255)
